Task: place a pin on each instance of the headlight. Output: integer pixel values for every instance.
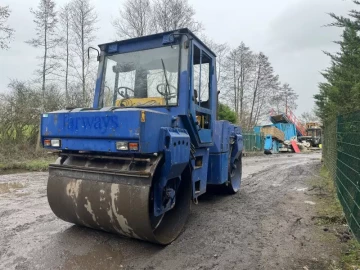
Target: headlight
(122, 146)
(55, 143)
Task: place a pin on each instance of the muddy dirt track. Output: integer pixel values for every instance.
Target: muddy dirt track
(267, 225)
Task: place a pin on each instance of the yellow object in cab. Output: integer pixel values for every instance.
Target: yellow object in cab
(132, 102)
(201, 120)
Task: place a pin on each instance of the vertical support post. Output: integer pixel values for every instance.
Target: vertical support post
(217, 105)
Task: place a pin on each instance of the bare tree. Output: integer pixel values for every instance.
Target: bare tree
(5, 31)
(135, 19)
(65, 20)
(221, 50)
(264, 83)
(309, 116)
(263, 103)
(290, 97)
(239, 69)
(174, 14)
(83, 26)
(285, 99)
(46, 22)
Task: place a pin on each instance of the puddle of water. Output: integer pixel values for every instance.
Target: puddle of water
(10, 187)
(301, 189)
(310, 202)
(101, 257)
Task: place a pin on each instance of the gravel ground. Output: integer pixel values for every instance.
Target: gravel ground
(267, 225)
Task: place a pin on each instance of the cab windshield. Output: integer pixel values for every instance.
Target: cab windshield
(142, 79)
(314, 132)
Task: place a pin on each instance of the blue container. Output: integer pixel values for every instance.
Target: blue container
(288, 129)
(257, 129)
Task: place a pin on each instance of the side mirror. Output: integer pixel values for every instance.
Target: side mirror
(98, 53)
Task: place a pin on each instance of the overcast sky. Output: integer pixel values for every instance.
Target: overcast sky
(290, 32)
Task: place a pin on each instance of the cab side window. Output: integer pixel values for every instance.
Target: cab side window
(201, 76)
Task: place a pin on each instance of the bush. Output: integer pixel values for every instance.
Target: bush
(20, 111)
(225, 113)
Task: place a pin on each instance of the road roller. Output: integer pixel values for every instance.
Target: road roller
(150, 145)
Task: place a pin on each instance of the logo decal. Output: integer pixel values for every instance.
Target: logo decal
(102, 123)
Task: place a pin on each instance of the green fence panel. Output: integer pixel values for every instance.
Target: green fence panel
(341, 155)
(253, 142)
(348, 168)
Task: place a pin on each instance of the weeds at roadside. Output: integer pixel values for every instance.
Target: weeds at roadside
(331, 217)
(19, 158)
(37, 165)
(329, 210)
(351, 257)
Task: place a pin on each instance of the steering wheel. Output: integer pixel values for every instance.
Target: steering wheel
(124, 95)
(164, 94)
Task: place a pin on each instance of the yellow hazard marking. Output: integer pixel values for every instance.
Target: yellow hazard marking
(143, 116)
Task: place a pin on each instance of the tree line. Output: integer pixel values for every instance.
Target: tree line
(65, 75)
(246, 80)
(249, 85)
(340, 93)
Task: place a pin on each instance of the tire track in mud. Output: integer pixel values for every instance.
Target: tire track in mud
(221, 236)
(266, 225)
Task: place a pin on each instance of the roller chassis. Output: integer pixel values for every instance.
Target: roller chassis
(134, 170)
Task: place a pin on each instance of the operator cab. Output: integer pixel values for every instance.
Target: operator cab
(314, 132)
(142, 78)
(170, 72)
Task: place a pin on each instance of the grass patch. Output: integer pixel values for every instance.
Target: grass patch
(351, 256)
(36, 165)
(328, 208)
(330, 214)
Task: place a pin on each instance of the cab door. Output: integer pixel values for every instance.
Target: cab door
(202, 81)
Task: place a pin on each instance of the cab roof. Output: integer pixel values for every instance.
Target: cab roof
(183, 31)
